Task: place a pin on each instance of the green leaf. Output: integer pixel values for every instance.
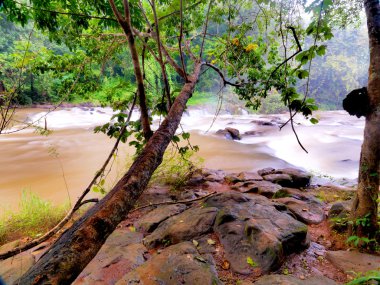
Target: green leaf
(185, 136)
(314, 121)
(175, 139)
(251, 262)
(321, 50)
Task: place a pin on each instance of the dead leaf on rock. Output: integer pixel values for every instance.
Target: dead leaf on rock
(226, 265)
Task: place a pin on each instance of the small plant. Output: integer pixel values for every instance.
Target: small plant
(358, 241)
(367, 278)
(34, 217)
(176, 169)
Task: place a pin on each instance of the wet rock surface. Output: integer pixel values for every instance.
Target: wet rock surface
(250, 227)
(277, 279)
(149, 222)
(253, 223)
(353, 262)
(185, 226)
(177, 264)
(121, 253)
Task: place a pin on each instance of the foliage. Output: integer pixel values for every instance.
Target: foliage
(366, 278)
(176, 168)
(33, 218)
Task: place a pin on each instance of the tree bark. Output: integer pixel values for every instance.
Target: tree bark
(365, 204)
(78, 245)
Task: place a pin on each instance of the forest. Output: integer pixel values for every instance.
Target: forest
(147, 75)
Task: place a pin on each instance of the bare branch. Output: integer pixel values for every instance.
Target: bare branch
(225, 82)
(205, 28)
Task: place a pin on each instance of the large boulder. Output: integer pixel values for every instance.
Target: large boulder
(229, 133)
(254, 233)
(185, 226)
(176, 264)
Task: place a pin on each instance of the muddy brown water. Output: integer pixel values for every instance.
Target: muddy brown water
(59, 166)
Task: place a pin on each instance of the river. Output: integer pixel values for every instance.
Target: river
(59, 166)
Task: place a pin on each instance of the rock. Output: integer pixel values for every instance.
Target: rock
(287, 177)
(340, 209)
(277, 279)
(155, 194)
(189, 224)
(249, 226)
(13, 268)
(308, 212)
(229, 133)
(300, 178)
(266, 171)
(262, 123)
(177, 264)
(214, 178)
(234, 133)
(281, 179)
(253, 133)
(265, 188)
(10, 245)
(232, 178)
(120, 254)
(150, 221)
(339, 214)
(244, 176)
(297, 194)
(353, 262)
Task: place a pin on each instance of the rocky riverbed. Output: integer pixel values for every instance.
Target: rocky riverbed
(266, 227)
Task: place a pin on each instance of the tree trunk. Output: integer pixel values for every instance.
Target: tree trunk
(78, 245)
(365, 208)
(127, 28)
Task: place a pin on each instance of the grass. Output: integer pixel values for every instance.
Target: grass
(175, 170)
(34, 217)
(202, 98)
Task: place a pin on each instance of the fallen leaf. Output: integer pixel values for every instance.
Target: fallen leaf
(226, 265)
(200, 259)
(211, 241)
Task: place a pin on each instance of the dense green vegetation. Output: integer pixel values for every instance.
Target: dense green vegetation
(44, 71)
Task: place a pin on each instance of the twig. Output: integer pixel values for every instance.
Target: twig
(205, 28)
(173, 202)
(225, 82)
(180, 41)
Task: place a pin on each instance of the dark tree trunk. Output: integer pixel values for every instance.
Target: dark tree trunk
(365, 204)
(78, 245)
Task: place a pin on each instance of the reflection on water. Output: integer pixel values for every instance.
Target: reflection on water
(73, 152)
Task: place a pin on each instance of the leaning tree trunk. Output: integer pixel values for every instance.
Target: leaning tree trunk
(365, 207)
(79, 244)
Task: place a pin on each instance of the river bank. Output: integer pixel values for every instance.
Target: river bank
(224, 228)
